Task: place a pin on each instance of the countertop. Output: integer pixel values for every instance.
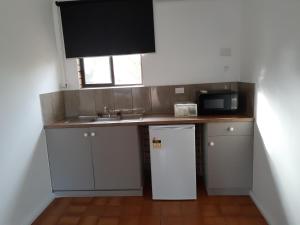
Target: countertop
(150, 120)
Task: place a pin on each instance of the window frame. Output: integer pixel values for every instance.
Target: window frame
(112, 74)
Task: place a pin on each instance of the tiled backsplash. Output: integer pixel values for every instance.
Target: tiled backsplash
(53, 106)
(154, 100)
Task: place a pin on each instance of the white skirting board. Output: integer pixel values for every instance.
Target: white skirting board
(31, 218)
(266, 215)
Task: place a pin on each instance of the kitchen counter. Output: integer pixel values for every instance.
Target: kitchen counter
(149, 120)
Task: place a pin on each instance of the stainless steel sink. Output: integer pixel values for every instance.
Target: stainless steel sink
(81, 119)
(132, 116)
(107, 119)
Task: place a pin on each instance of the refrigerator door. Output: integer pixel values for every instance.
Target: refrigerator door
(173, 162)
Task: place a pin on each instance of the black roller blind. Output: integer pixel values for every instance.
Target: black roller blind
(107, 27)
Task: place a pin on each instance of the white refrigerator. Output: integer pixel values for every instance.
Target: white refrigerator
(173, 162)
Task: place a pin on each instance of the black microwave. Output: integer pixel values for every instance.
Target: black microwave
(219, 103)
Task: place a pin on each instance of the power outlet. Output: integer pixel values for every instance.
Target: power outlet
(179, 90)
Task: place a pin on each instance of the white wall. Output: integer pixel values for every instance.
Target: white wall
(271, 58)
(189, 36)
(28, 67)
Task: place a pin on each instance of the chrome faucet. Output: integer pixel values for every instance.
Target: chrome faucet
(106, 111)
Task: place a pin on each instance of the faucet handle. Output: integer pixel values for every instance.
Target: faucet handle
(105, 109)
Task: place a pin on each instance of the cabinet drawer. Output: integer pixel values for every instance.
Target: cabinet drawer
(229, 129)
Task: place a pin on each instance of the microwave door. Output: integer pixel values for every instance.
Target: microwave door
(218, 103)
(214, 104)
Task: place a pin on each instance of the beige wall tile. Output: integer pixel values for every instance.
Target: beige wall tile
(196, 88)
(47, 109)
(123, 98)
(185, 97)
(218, 86)
(87, 102)
(247, 91)
(58, 105)
(234, 86)
(52, 106)
(161, 99)
(104, 98)
(141, 98)
(214, 86)
(71, 103)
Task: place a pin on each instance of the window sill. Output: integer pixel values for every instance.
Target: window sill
(112, 87)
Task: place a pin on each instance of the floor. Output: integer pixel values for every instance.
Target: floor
(206, 210)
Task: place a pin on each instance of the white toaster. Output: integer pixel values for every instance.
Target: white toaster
(185, 110)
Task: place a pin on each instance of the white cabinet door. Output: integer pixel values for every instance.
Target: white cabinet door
(70, 159)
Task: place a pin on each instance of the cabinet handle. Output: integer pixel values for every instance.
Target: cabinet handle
(93, 134)
(85, 134)
(211, 144)
(231, 129)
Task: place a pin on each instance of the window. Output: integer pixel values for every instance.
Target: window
(111, 71)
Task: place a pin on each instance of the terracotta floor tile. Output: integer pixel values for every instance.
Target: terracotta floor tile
(100, 201)
(151, 208)
(207, 210)
(190, 208)
(138, 200)
(232, 220)
(58, 206)
(48, 220)
(109, 221)
(244, 200)
(89, 220)
(172, 220)
(115, 201)
(171, 209)
(150, 220)
(131, 210)
(112, 211)
(193, 220)
(209, 200)
(227, 200)
(214, 221)
(129, 220)
(210, 210)
(235, 200)
(68, 220)
(82, 200)
(250, 211)
(252, 221)
(63, 201)
(230, 210)
(76, 209)
(95, 210)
